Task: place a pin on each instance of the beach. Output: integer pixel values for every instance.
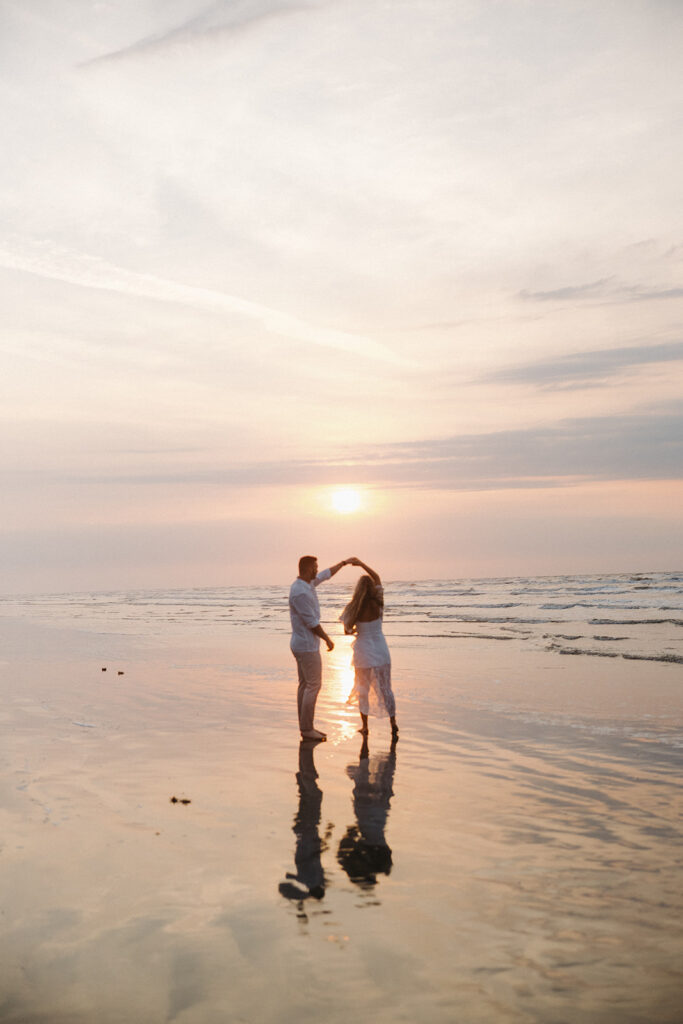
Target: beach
(171, 853)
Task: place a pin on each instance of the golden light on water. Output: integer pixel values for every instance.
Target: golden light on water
(339, 677)
(338, 680)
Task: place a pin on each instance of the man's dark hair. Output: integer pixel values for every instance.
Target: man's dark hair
(306, 562)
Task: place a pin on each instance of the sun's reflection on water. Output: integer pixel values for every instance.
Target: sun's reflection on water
(339, 675)
(338, 683)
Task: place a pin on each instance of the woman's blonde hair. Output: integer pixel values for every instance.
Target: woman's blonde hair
(364, 591)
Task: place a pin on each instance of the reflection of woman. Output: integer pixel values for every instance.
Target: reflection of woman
(362, 617)
(363, 852)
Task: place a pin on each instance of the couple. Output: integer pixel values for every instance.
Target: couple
(362, 618)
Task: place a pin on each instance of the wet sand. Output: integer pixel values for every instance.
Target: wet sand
(515, 858)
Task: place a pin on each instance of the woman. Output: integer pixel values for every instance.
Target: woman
(362, 618)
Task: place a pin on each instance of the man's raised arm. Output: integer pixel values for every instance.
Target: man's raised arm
(340, 565)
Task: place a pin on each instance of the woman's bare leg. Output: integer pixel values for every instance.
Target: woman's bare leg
(364, 728)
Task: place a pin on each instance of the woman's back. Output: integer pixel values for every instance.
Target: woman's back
(370, 646)
(373, 606)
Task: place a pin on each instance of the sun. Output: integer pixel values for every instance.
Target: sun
(345, 500)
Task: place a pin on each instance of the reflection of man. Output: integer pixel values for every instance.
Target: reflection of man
(304, 611)
(309, 877)
(363, 852)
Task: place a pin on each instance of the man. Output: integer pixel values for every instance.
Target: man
(304, 611)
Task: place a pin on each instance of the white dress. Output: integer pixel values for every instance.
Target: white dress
(372, 663)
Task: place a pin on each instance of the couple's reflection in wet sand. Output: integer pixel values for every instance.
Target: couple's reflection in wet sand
(363, 852)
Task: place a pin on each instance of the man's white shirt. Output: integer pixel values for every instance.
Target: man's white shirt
(304, 611)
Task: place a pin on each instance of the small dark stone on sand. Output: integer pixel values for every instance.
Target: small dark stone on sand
(182, 800)
(119, 673)
(104, 670)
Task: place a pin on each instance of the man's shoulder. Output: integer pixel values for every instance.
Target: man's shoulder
(299, 586)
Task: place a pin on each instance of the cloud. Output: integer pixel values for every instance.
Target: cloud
(638, 293)
(588, 369)
(580, 291)
(627, 447)
(218, 21)
(630, 447)
(606, 288)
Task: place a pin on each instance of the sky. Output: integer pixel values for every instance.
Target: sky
(254, 251)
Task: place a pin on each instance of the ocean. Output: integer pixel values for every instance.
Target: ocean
(631, 616)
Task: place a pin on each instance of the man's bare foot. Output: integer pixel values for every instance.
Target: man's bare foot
(313, 734)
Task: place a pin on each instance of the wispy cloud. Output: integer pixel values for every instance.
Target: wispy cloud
(588, 369)
(218, 21)
(45, 259)
(604, 289)
(594, 289)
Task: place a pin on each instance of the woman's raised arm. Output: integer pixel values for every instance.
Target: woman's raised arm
(371, 572)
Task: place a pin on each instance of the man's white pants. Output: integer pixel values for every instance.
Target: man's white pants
(310, 668)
